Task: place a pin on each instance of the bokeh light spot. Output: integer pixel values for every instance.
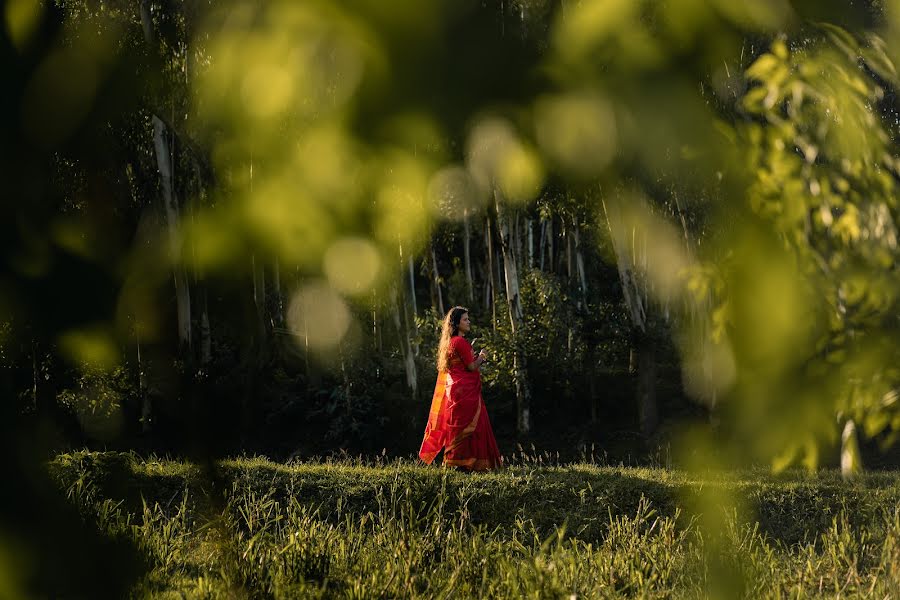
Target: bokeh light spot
(352, 265)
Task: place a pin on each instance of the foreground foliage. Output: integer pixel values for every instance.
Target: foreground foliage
(250, 527)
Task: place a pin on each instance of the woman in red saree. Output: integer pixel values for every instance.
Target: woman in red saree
(458, 421)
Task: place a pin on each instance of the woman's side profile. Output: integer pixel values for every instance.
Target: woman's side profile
(458, 421)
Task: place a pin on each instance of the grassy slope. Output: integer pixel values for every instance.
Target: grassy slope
(605, 511)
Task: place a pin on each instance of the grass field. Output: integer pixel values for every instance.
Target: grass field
(253, 528)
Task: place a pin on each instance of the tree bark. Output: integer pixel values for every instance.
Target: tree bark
(550, 244)
(173, 225)
(851, 461)
(259, 299)
(35, 376)
(163, 152)
(636, 301)
(278, 318)
(147, 22)
(648, 415)
(530, 242)
(143, 395)
(579, 263)
(489, 248)
(467, 255)
(543, 240)
(514, 304)
(410, 321)
(406, 350)
(205, 330)
(412, 285)
(437, 282)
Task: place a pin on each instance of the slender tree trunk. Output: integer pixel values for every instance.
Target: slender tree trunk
(345, 375)
(437, 282)
(147, 22)
(515, 239)
(530, 242)
(35, 376)
(164, 164)
(412, 286)
(646, 384)
(467, 255)
(146, 406)
(550, 262)
(643, 355)
(173, 225)
(278, 318)
(489, 247)
(514, 304)
(498, 260)
(851, 461)
(306, 365)
(592, 388)
(259, 299)
(205, 330)
(411, 327)
(406, 350)
(543, 240)
(579, 263)
(202, 302)
(635, 301)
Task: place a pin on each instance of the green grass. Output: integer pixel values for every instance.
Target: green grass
(254, 528)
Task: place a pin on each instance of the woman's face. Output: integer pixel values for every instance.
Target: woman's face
(464, 324)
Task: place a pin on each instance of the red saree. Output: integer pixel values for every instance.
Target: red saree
(458, 421)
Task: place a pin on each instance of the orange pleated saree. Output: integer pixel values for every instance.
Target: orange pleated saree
(458, 421)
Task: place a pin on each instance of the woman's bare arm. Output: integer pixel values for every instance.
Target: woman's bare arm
(476, 364)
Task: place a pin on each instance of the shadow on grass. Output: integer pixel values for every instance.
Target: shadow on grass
(581, 497)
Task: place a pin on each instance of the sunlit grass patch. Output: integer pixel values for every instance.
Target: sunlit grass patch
(361, 529)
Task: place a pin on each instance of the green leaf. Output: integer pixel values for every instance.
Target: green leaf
(876, 58)
(841, 38)
(763, 67)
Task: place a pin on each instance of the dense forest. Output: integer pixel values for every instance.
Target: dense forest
(236, 227)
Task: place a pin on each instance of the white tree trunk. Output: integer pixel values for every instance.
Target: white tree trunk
(259, 297)
(279, 296)
(530, 242)
(147, 22)
(514, 304)
(543, 240)
(636, 300)
(411, 327)
(205, 330)
(579, 263)
(635, 296)
(146, 406)
(173, 225)
(437, 282)
(35, 375)
(412, 287)
(550, 264)
(467, 255)
(406, 349)
(851, 462)
(490, 285)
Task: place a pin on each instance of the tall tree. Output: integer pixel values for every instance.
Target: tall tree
(626, 243)
(505, 224)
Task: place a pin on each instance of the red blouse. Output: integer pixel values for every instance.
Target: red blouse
(461, 355)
